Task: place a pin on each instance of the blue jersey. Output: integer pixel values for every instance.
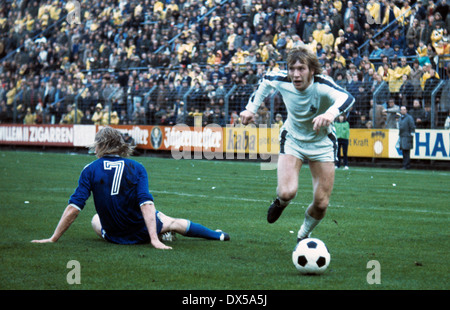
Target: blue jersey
(119, 187)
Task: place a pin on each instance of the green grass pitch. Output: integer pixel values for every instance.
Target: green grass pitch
(398, 218)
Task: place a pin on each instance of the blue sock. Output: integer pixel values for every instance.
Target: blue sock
(200, 231)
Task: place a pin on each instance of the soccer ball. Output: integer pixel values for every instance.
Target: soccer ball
(311, 256)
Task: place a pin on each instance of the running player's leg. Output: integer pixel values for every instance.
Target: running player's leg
(190, 229)
(323, 181)
(288, 169)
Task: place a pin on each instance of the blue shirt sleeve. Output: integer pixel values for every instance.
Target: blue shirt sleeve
(83, 191)
(143, 194)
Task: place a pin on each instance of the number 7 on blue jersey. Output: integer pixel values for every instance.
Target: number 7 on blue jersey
(118, 170)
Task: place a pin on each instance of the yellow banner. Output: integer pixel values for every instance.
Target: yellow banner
(368, 143)
(251, 140)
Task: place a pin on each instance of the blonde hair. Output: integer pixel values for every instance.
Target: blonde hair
(305, 56)
(109, 141)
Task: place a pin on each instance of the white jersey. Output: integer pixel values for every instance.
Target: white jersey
(323, 95)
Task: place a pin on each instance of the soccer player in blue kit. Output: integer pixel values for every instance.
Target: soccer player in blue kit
(313, 101)
(126, 212)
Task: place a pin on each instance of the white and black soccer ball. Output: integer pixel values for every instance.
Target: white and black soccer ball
(311, 256)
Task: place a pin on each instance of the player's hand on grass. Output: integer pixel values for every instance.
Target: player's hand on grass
(160, 246)
(49, 240)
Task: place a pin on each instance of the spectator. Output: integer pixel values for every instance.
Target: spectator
(56, 112)
(340, 41)
(279, 120)
(410, 50)
(398, 52)
(138, 118)
(115, 120)
(362, 122)
(387, 50)
(383, 71)
(73, 115)
(392, 112)
(196, 96)
(362, 101)
(251, 77)
(5, 113)
(380, 89)
(392, 12)
(160, 115)
(386, 39)
(430, 84)
(422, 51)
(380, 115)
(220, 90)
(318, 32)
(355, 58)
(30, 118)
(421, 10)
(343, 136)
(308, 29)
(428, 72)
(327, 37)
(442, 47)
(353, 84)
(106, 117)
(368, 74)
(419, 115)
(398, 39)
(395, 78)
(416, 78)
(321, 54)
(340, 70)
(281, 43)
(98, 114)
(336, 20)
(406, 134)
(413, 34)
(406, 94)
(87, 117)
(442, 8)
(350, 12)
(183, 89)
(405, 13)
(339, 79)
(437, 34)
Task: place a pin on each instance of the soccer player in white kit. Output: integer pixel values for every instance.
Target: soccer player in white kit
(312, 101)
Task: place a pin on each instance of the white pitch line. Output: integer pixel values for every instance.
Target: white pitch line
(299, 203)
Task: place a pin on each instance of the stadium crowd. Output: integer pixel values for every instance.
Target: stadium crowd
(166, 61)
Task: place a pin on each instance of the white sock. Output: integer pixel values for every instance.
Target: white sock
(307, 227)
(283, 203)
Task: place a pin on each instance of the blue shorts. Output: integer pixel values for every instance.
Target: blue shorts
(138, 237)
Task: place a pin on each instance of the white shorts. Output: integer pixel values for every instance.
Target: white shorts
(323, 151)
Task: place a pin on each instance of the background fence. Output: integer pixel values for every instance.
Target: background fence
(217, 94)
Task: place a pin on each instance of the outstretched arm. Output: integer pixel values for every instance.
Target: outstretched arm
(148, 212)
(247, 117)
(256, 99)
(68, 217)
